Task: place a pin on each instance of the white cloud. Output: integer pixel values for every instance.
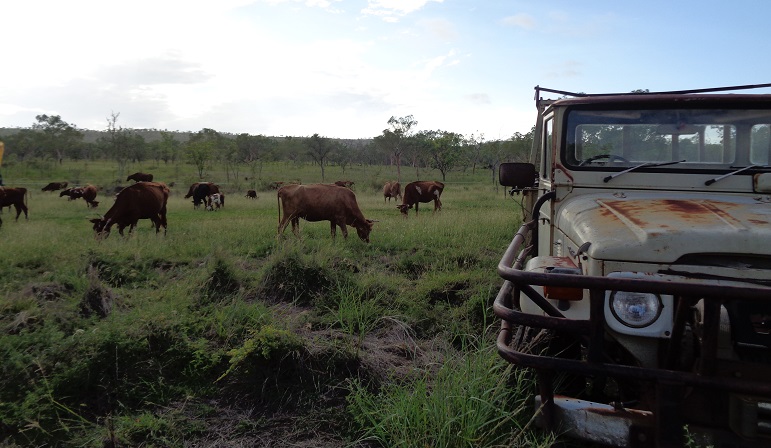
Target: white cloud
(520, 20)
(391, 10)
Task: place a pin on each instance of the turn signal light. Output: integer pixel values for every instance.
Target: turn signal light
(563, 292)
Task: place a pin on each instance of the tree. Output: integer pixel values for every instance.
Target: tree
(475, 144)
(122, 144)
(320, 149)
(395, 139)
(445, 151)
(58, 135)
(345, 154)
(200, 148)
(169, 147)
(253, 150)
(24, 144)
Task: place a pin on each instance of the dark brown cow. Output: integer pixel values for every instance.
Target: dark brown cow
(140, 177)
(72, 193)
(421, 191)
(251, 194)
(321, 202)
(392, 190)
(200, 194)
(143, 200)
(54, 186)
(344, 183)
(16, 197)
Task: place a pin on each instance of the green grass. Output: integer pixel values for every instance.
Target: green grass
(155, 340)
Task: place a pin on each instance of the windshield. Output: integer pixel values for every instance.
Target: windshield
(703, 139)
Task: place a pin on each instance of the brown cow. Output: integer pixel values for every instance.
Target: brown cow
(53, 186)
(251, 194)
(392, 190)
(421, 191)
(345, 183)
(16, 197)
(143, 200)
(89, 194)
(321, 202)
(140, 177)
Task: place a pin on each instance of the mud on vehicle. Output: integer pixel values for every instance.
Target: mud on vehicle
(645, 256)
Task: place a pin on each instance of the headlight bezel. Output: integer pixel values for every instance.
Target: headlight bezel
(661, 327)
(651, 298)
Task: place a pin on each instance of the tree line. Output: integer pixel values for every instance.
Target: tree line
(400, 145)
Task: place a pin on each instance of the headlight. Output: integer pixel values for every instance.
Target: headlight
(635, 309)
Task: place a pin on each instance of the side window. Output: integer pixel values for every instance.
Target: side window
(547, 149)
(760, 144)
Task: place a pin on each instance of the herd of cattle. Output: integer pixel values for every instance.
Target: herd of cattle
(146, 199)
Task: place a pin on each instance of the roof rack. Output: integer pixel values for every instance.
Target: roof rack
(539, 89)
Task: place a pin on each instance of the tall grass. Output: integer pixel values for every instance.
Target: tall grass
(472, 400)
(125, 341)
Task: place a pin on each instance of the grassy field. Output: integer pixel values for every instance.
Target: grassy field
(221, 334)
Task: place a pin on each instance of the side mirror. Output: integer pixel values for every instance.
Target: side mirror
(517, 175)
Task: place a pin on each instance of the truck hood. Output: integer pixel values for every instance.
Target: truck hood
(650, 227)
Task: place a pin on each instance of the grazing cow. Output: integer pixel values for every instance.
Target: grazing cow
(345, 183)
(275, 185)
(16, 197)
(214, 202)
(392, 190)
(321, 202)
(72, 193)
(53, 186)
(89, 194)
(421, 191)
(251, 194)
(200, 192)
(142, 200)
(140, 177)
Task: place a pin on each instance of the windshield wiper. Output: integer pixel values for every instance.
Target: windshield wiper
(713, 180)
(642, 165)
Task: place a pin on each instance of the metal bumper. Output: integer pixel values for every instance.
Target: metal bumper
(662, 424)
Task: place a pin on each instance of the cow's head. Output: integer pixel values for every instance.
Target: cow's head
(363, 229)
(99, 227)
(404, 208)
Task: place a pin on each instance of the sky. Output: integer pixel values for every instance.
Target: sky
(342, 68)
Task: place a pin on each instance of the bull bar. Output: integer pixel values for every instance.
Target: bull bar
(663, 425)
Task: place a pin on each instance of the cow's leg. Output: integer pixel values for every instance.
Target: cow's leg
(296, 227)
(282, 225)
(333, 229)
(19, 209)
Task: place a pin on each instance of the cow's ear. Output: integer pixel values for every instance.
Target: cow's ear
(94, 220)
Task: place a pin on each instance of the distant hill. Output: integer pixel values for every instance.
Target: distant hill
(90, 136)
(152, 135)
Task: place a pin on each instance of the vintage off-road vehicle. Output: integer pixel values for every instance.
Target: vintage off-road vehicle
(645, 256)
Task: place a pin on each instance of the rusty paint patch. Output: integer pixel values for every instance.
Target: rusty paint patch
(641, 213)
